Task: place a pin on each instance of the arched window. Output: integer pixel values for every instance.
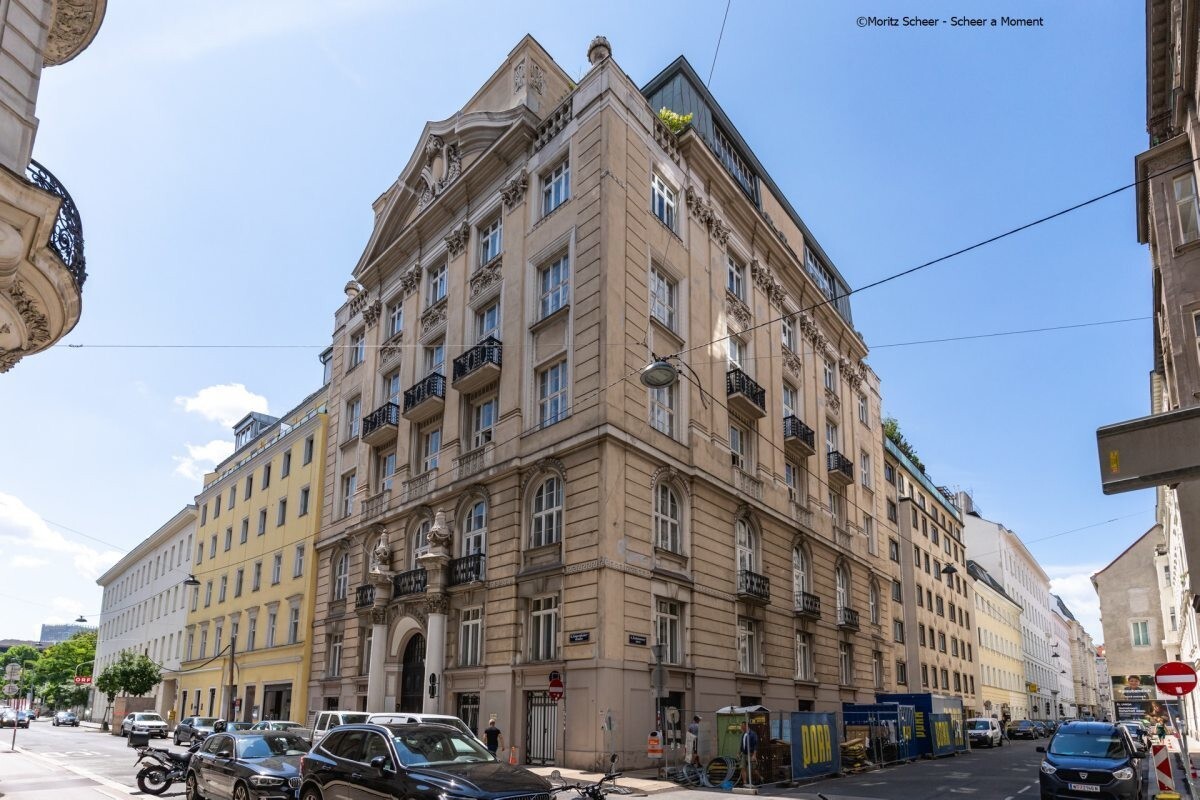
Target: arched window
(873, 602)
(547, 520)
(341, 576)
(420, 541)
(747, 546)
(474, 538)
(667, 519)
(843, 587)
(800, 570)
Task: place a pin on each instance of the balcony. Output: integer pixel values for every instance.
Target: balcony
(379, 427)
(377, 504)
(412, 582)
(842, 537)
(746, 398)
(66, 238)
(747, 484)
(798, 439)
(479, 366)
(420, 486)
(474, 461)
(426, 399)
(808, 605)
(467, 569)
(364, 596)
(847, 618)
(752, 586)
(841, 469)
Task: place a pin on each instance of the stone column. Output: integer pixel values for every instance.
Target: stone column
(436, 603)
(381, 578)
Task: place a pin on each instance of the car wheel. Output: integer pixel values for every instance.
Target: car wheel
(177, 743)
(240, 792)
(310, 793)
(191, 790)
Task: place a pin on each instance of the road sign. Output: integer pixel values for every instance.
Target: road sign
(1175, 678)
(83, 679)
(556, 687)
(12, 671)
(11, 689)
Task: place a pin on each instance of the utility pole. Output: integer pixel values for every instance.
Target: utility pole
(232, 688)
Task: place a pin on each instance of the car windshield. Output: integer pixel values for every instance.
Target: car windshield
(1106, 745)
(148, 718)
(980, 725)
(206, 721)
(354, 718)
(270, 746)
(422, 748)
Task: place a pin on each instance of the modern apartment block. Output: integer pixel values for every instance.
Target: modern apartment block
(247, 638)
(143, 609)
(1168, 220)
(507, 503)
(932, 623)
(1002, 553)
(998, 639)
(42, 265)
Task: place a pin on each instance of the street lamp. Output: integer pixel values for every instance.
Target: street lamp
(662, 372)
(949, 569)
(191, 581)
(82, 620)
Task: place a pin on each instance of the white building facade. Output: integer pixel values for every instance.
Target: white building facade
(1062, 657)
(144, 606)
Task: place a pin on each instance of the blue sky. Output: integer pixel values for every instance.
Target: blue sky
(225, 156)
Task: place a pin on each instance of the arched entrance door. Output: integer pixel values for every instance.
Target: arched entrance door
(412, 675)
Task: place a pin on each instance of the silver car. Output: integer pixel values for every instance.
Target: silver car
(147, 722)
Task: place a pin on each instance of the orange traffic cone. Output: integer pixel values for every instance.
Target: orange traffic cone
(512, 756)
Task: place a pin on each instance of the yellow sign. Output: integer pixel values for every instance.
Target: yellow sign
(1031, 687)
(1114, 461)
(816, 745)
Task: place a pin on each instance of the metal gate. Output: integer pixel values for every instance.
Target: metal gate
(541, 728)
(468, 710)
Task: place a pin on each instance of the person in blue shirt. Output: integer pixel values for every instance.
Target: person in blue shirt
(747, 750)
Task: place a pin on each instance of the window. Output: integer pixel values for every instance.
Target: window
(470, 638)
(898, 630)
(547, 513)
(341, 576)
(667, 519)
(791, 400)
(285, 469)
(556, 187)
(212, 546)
(420, 541)
(804, 656)
(435, 285)
(873, 602)
(738, 446)
(1139, 632)
(303, 502)
(308, 450)
(800, 572)
(845, 663)
(746, 546)
(395, 318)
(889, 473)
(358, 350)
(203, 642)
(221, 591)
(830, 376)
(842, 587)
(897, 590)
(249, 487)
(862, 409)
(791, 479)
(877, 668)
(281, 512)
(474, 538)
(543, 629)
(256, 577)
(435, 358)
(276, 568)
(662, 201)
(668, 618)
(1187, 208)
(490, 237)
(487, 321)
(921, 630)
(335, 656)
(349, 485)
(925, 675)
(552, 393)
(901, 673)
(483, 421)
(941, 639)
(238, 580)
(832, 438)
(892, 512)
(554, 284)
(245, 533)
(251, 633)
(229, 538)
(272, 618)
(894, 550)
(431, 445)
(353, 417)
(954, 646)
(864, 459)
(203, 513)
(946, 680)
(663, 297)
(298, 562)
(735, 277)
(232, 496)
(788, 333)
(216, 506)
(262, 521)
(662, 408)
(747, 644)
(735, 350)
(868, 528)
(208, 594)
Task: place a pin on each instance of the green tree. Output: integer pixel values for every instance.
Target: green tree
(109, 684)
(130, 674)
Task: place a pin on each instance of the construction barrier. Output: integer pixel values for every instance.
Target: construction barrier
(654, 748)
(1162, 768)
(815, 747)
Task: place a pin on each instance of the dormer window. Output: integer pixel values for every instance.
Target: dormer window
(243, 435)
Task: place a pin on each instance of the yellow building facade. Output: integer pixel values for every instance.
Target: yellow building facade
(1001, 666)
(246, 641)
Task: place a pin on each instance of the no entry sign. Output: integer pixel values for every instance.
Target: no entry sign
(1175, 678)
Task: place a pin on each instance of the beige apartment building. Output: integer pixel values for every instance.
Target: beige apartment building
(42, 265)
(508, 504)
(932, 623)
(998, 637)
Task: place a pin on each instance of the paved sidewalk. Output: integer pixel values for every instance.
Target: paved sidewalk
(25, 776)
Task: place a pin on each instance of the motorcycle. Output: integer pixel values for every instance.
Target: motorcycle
(590, 791)
(165, 768)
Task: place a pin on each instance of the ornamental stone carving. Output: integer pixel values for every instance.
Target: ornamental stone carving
(764, 277)
(456, 240)
(37, 326)
(416, 610)
(486, 276)
(358, 301)
(433, 316)
(410, 280)
(437, 604)
(737, 310)
(544, 466)
(598, 50)
(833, 401)
(439, 531)
(379, 615)
(74, 26)
(443, 166)
(537, 79)
(705, 213)
(371, 312)
(381, 556)
(514, 191)
(392, 348)
(791, 362)
(519, 76)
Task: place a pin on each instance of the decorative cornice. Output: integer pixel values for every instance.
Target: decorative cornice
(456, 240)
(542, 467)
(704, 211)
(410, 280)
(371, 312)
(486, 276)
(737, 310)
(765, 278)
(392, 347)
(433, 317)
(791, 362)
(437, 604)
(514, 191)
(833, 401)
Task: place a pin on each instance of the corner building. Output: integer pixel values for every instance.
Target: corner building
(505, 500)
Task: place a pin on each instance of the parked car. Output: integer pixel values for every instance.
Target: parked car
(232, 727)
(983, 731)
(24, 718)
(410, 718)
(8, 718)
(1022, 729)
(1138, 732)
(1040, 727)
(276, 725)
(66, 718)
(331, 719)
(1091, 759)
(416, 762)
(190, 729)
(247, 765)
(146, 722)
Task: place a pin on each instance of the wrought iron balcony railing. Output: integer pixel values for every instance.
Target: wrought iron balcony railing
(364, 596)
(489, 351)
(751, 584)
(67, 235)
(431, 386)
(848, 617)
(412, 582)
(795, 431)
(808, 604)
(467, 569)
(738, 382)
(840, 467)
(380, 419)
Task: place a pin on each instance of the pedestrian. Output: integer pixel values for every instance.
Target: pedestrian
(747, 751)
(1161, 730)
(493, 739)
(691, 742)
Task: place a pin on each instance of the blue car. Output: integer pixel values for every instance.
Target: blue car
(1091, 759)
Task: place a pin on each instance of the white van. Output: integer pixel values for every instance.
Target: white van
(985, 731)
(408, 718)
(331, 719)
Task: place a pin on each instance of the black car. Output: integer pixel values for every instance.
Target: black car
(66, 718)
(247, 765)
(190, 729)
(1091, 759)
(416, 762)
(1022, 729)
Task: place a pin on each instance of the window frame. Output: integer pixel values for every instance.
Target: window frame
(546, 519)
(556, 186)
(664, 201)
(554, 285)
(664, 297)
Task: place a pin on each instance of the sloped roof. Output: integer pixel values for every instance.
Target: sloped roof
(977, 571)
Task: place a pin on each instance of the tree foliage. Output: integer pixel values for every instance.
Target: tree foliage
(130, 674)
(891, 429)
(674, 120)
(53, 676)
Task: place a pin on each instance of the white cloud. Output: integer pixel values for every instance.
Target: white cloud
(22, 529)
(225, 403)
(202, 458)
(28, 561)
(1073, 583)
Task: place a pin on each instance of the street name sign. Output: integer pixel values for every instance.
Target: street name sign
(1175, 678)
